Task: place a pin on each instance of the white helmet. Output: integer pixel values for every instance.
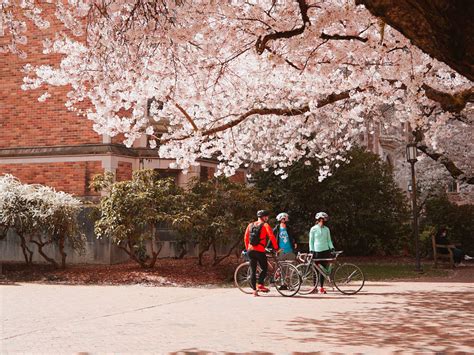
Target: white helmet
(282, 215)
(322, 215)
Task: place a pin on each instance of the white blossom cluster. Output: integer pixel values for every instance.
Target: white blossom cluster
(31, 204)
(231, 91)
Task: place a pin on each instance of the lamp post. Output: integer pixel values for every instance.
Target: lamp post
(411, 158)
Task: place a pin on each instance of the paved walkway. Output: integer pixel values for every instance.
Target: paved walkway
(410, 317)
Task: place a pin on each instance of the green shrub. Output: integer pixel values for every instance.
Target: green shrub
(368, 212)
(131, 209)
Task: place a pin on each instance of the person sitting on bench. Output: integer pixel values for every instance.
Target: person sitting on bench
(458, 254)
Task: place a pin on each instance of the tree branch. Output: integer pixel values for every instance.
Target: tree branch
(332, 98)
(455, 172)
(291, 64)
(450, 102)
(190, 120)
(342, 37)
(261, 44)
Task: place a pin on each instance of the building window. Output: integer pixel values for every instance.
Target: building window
(204, 173)
(453, 186)
(168, 173)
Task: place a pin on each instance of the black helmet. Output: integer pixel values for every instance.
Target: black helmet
(263, 213)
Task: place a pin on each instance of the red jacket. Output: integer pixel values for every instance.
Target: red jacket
(264, 233)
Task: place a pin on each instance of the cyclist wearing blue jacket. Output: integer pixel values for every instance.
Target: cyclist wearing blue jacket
(320, 243)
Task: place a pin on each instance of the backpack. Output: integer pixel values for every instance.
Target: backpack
(255, 234)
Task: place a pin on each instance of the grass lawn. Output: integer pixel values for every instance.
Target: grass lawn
(393, 271)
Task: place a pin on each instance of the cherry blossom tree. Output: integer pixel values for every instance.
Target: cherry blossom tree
(251, 82)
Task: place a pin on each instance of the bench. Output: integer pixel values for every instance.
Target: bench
(437, 255)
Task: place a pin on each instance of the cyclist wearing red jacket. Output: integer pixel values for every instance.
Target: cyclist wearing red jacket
(256, 253)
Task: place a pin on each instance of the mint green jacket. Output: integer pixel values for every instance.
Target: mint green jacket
(320, 239)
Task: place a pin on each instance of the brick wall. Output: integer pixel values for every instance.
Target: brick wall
(71, 177)
(25, 122)
(239, 177)
(124, 171)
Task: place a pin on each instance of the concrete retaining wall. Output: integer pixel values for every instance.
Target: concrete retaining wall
(97, 251)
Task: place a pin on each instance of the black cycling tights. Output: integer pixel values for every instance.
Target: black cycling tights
(326, 254)
(257, 257)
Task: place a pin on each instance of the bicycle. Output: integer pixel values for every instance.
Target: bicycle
(346, 278)
(282, 274)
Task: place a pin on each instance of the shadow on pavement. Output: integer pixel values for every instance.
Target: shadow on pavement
(429, 321)
(205, 352)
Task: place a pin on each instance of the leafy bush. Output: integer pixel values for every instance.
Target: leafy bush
(40, 215)
(216, 212)
(367, 210)
(131, 209)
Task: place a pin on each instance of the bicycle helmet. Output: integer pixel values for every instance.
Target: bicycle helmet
(263, 213)
(283, 215)
(322, 215)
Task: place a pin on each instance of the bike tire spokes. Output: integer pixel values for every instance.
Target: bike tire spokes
(287, 279)
(348, 279)
(309, 279)
(242, 278)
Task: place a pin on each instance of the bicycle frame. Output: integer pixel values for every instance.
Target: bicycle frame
(339, 275)
(309, 261)
(279, 274)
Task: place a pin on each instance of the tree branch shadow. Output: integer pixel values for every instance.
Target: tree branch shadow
(427, 321)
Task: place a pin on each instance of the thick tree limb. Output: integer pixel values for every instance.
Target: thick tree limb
(185, 114)
(261, 43)
(455, 172)
(332, 98)
(442, 28)
(342, 37)
(450, 102)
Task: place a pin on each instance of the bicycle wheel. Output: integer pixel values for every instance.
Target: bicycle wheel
(242, 278)
(348, 279)
(309, 279)
(287, 280)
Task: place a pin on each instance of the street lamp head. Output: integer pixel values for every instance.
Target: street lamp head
(411, 153)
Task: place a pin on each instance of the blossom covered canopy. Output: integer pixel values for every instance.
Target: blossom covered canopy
(257, 81)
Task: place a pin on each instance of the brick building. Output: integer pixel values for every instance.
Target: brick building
(44, 143)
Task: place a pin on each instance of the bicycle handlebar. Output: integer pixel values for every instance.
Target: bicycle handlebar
(305, 257)
(272, 251)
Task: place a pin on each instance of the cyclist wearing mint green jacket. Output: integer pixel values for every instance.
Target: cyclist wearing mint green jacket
(320, 243)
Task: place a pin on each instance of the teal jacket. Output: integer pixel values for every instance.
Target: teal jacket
(320, 239)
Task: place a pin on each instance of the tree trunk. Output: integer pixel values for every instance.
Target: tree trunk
(154, 257)
(214, 251)
(442, 28)
(131, 253)
(219, 260)
(183, 250)
(62, 252)
(41, 245)
(27, 253)
(201, 253)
